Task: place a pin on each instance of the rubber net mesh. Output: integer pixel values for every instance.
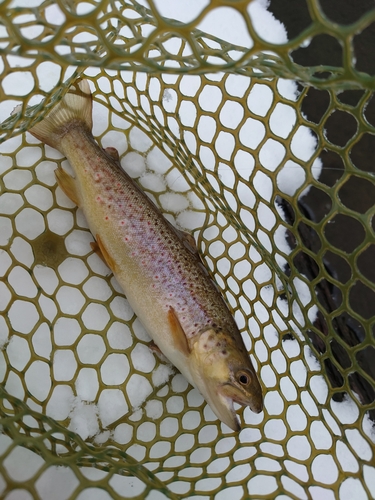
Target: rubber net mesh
(214, 132)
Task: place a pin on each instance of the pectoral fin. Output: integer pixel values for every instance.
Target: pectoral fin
(156, 350)
(101, 251)
(68, 185)
(179, 337)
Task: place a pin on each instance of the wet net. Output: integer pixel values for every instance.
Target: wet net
(261, 145)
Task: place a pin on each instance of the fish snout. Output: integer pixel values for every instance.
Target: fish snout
(257, 406)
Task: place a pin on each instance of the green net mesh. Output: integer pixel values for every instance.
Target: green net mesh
(207, 116)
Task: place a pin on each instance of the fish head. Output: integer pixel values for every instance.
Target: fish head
(225, 375)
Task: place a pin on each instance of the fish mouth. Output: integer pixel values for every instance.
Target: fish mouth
(222, 403)
(222, 399)
(235, 394)
(223, 407)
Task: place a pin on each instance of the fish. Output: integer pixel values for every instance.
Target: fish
(157, 265)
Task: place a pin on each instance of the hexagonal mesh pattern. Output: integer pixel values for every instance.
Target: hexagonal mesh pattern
(233, 159)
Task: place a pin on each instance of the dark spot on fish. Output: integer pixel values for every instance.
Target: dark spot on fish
(224, 352)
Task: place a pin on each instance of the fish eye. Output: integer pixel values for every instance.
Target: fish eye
(243, 378)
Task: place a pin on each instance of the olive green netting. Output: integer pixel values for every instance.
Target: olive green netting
(52, 445)
(216, 153)
(128, 36)
(131, 35)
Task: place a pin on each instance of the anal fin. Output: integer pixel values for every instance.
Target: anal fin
(95, 248)
(178, 333)
(68, 185)
(99, 248)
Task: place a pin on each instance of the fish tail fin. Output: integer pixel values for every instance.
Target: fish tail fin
(75, 107)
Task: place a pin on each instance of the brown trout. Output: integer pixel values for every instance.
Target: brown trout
(156, 265)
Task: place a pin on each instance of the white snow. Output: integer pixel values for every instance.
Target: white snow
(111, 405)
(91, 348)
(18, 84)
(17, 179)
(115, 369)
(38, 380)
(41, 341)
(64, 365)
(161, 374)
(228, 22)
(264, 23)
(60, 403)
(138, 389)
(60, 221)
(72, 271)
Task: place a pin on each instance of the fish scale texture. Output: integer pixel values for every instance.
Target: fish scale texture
(281, 206)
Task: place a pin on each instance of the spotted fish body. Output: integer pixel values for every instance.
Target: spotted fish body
(155, 264)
